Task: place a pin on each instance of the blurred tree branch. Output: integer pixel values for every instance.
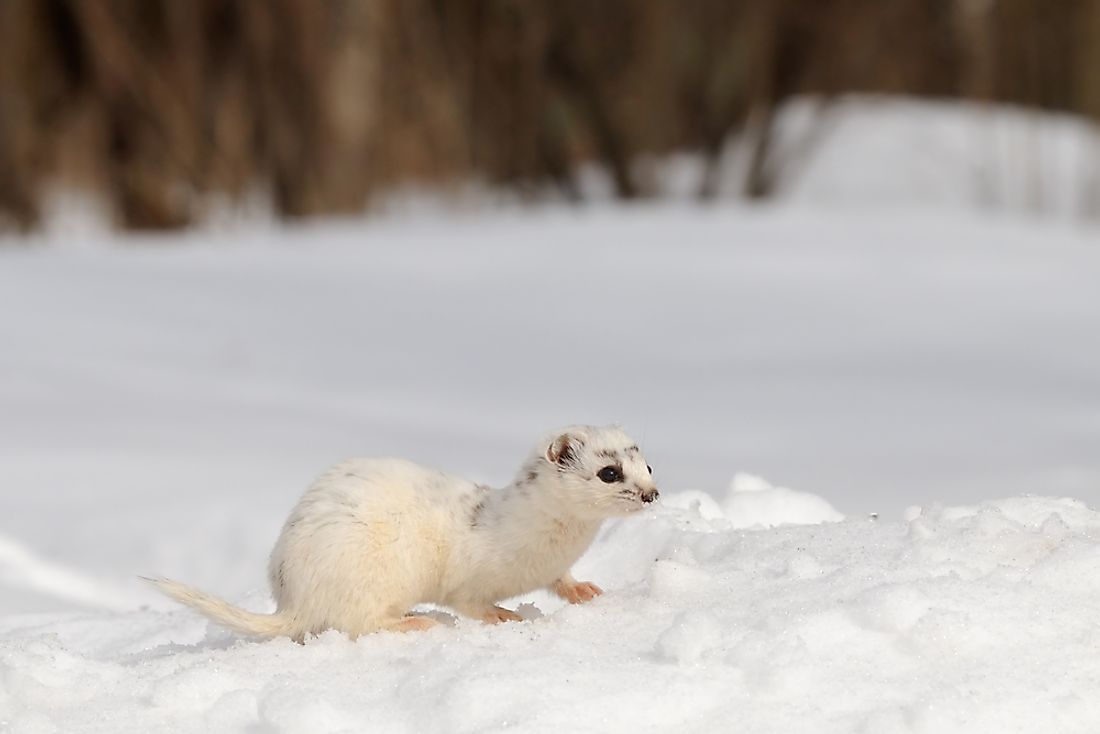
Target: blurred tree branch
(158, 105)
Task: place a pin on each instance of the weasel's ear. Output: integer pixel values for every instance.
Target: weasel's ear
(563, 450)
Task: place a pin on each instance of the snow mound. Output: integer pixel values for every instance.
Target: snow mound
(22, 569)
(951, 619)
(752, 501)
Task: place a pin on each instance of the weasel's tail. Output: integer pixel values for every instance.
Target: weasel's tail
(224, 613)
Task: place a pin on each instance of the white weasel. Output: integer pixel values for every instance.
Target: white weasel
(371, 538)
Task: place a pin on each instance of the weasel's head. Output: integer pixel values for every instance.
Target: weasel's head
(596, 471)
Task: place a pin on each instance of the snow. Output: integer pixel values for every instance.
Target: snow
(965, 619)
(753, 501)
(164, 400)
(948, 156)
(896, 154)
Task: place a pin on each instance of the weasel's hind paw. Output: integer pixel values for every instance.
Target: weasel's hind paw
(576, 592)
(496, 615)
(412, 623)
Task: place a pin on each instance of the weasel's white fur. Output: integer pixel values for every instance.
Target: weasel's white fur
(371, 538)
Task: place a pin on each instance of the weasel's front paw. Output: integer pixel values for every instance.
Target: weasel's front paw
(576, 592)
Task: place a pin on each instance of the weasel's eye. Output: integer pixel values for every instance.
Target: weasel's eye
(647, 466)
(610, 474)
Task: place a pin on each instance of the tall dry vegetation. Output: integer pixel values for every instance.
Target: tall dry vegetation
(158, 105)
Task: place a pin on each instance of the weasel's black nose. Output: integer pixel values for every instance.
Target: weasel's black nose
(650, 496)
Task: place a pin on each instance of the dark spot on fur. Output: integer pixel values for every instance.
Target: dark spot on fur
(607, 454)
(632, 449)
(475, 513)
(280, 576)
(532, 475)
(480, 498)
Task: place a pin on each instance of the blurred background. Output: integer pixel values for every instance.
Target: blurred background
(316, 107)
(847, 245)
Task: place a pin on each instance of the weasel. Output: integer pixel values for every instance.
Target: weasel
(371, 538)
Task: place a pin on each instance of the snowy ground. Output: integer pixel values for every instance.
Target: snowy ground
(162, 404)
(979, 619)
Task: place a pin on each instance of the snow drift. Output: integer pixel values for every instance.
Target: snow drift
(953, 619)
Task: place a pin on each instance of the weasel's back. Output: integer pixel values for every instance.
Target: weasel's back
(367, 524)
(367, 484)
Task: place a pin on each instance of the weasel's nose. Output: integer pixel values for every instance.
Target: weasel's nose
(650, 495)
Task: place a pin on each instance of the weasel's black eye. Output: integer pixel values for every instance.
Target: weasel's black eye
(647, 466)
(610, 474)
